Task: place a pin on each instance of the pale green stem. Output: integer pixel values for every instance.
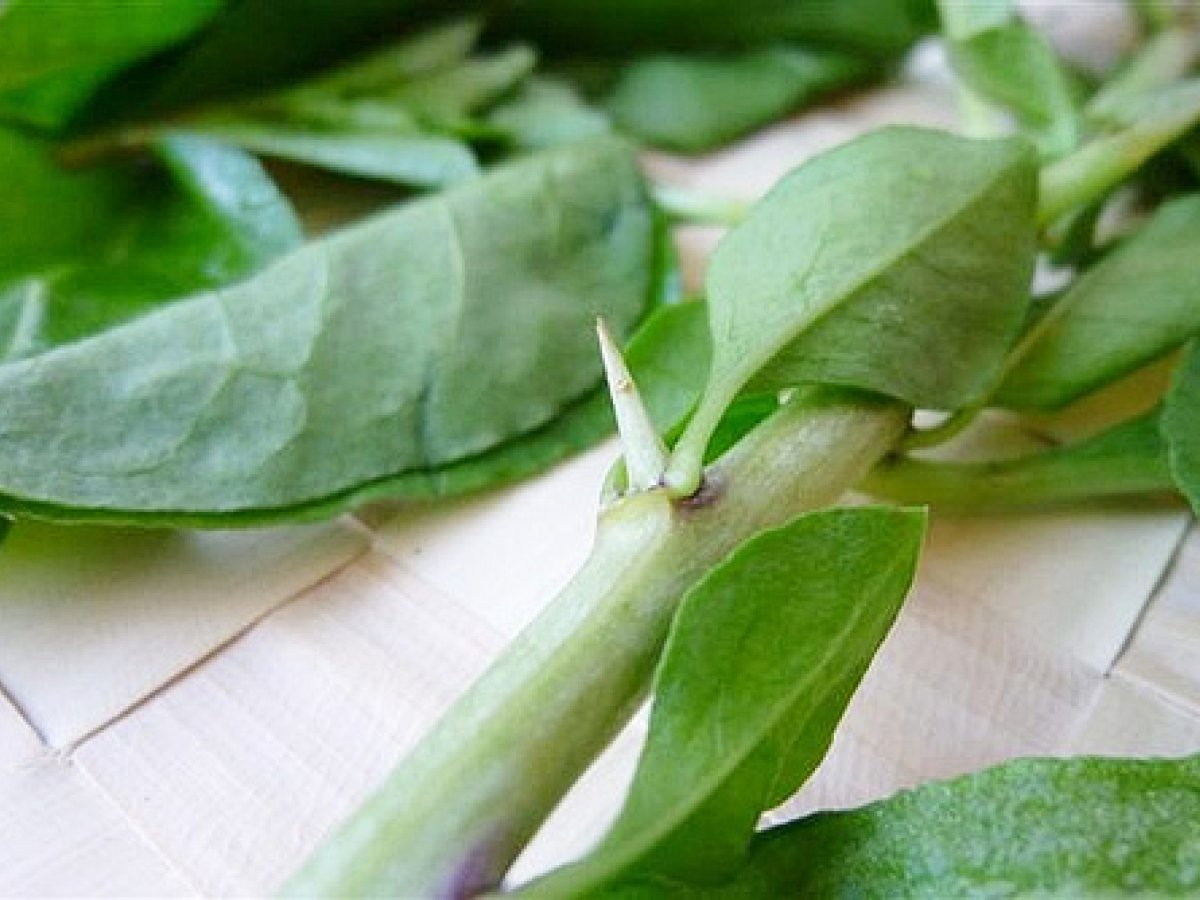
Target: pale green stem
(688, 206)
(449, 821)
(1050, 478)
(686, 466)
(1090, 172)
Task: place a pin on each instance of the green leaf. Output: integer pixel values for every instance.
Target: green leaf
(54, 55)
(668, 360)
(399, 115)
(615, 27)
(110, 245)
(414, 160)
(75, 206)
(415, 340)
(762, 659)
(1006, 62)
(914, 243)
(693, 103)
(658, 355)
(1141, 301)
(444, 99)
(1129, 459)
(1086, 827)
(546, 112)
(1181, 427)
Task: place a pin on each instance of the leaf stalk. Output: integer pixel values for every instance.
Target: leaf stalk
(467, 800)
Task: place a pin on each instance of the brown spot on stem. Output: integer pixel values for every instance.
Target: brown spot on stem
(706, 495)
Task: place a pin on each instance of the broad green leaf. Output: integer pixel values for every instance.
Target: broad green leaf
(658, 355)
(1181, 427)
(1138, 303)
(107, 246)
(546, 112)
(54, 55)
(1129, 459)
(415, 340)
(415, 160)
(615, 27)
(913, 243)
(664, 335)
(1086, 827)
(696, 102)
(762, 659)
(1006, 62)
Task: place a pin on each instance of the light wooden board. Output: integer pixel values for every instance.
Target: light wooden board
(60, 837)
(93, 620)
(238, 769)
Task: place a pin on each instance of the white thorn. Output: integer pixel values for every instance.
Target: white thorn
(645, 454)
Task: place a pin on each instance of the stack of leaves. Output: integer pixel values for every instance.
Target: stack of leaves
(160, 283)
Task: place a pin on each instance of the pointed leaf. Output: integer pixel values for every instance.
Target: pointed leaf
(907, 241)
(762, 659)
(1138, 303)
(1008, 63)
(414, 160)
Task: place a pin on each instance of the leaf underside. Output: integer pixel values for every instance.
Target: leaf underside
(373, 352)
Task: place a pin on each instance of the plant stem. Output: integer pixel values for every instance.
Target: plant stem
(1127, 460)
(449, 821)
(1090, 172)
(687, 206)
